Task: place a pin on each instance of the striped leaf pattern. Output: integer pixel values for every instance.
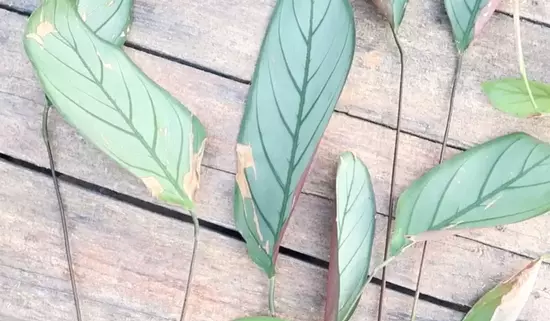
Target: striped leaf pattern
(303, 65)
(468, 18)
(108, 19)
(503, 181)
(352, 238)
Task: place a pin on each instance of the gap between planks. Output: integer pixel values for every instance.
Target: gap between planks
(213, 227)
(156, 53)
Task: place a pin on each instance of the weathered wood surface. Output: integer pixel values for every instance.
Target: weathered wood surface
(204, 33)
(226, 37)
(20, 119)
(147, 282)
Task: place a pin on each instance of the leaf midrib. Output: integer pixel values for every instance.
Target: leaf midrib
(488, 196)
(470, 26)
(137, 134)
(299, 122)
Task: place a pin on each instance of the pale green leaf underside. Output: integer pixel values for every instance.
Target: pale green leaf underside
(302, 68)
(108, 19)
(511, 96)
(355, 221)
(502, 181)
(506, 300)
(100, 91)
(463, 15)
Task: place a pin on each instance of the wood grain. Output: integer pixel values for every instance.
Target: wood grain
(147, 282)
(220, 110)
(226, 37)
(218, 103)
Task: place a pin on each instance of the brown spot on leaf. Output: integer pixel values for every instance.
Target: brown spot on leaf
(191, 180)
(521, 285)
(245, 159)
(153, 185)
(110, 3)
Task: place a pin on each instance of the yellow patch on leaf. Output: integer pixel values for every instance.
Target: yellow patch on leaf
(191, 180)
(42, 30)
(522, 284)
(245, 159)
(153, 185)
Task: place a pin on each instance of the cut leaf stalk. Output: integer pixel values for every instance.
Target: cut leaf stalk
(64, 226)
(394, 170)
(458, 69)
(271, 296)
(521, 60)
(196, 229)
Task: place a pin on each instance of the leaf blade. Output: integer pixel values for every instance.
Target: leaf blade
(108, 19)
(96, 87)
(511, 96)
(277, 141)
(502, 181)
(506, 300)
(352, 238)
(468, 17)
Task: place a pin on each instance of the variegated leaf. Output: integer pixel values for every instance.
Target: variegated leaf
(303, 65)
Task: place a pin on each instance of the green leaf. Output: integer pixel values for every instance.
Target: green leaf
(303, 65)
(393, 10)
(503, 181)
(102, 93)
(108, 19)
(511, 96)
(506, 300)
(352, 238)
(468, 18)
(259, 319)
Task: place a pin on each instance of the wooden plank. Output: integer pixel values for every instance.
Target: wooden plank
(224, 100)
(220, 110)
(532, 9)
(227, 38)
(148, 280)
